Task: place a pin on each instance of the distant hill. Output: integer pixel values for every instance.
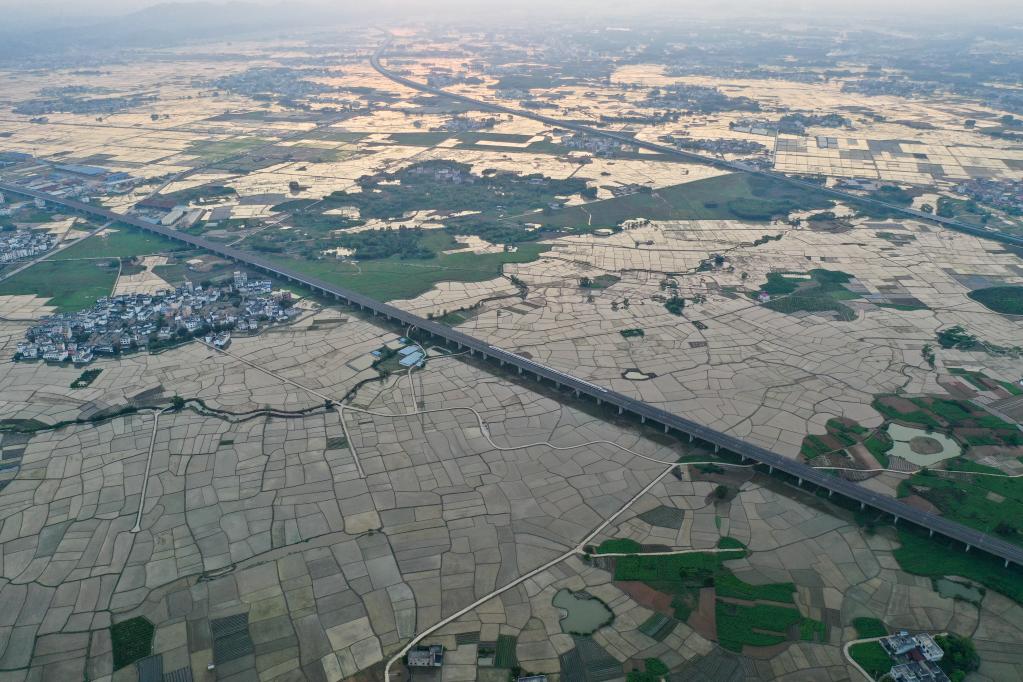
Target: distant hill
(159, 26)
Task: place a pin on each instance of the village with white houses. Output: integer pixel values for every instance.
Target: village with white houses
(134, 322)
(17, 245)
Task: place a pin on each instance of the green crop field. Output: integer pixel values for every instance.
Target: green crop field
(505, 656)
(736, 196)
(131, 640)
(759, 625)
(869, 627)
(811, 630)
(992, 504)
(70, 285)
(619, 546)
(823, 292)
(1007, 300)
(728, 585)
(211, 152)
(392, 278)
(940, 413)
(671, 567)
(921, 555)
(122, 242)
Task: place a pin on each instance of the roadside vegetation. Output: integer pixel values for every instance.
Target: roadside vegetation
(992, 504)
(938, 557)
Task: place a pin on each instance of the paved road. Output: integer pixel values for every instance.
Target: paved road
(972, 538)
(734, 166)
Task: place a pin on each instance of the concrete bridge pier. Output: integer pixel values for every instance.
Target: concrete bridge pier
(620, 410)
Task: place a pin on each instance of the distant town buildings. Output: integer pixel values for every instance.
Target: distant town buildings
(716, 146)
(22, 244)
(1006, 195)
(123, 324)
(463, 124)
(71, 180)
(598, 144)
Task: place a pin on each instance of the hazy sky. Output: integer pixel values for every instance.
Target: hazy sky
(929, 11)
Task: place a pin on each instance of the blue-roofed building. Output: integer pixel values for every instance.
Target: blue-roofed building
(411, 359)
(77, 169)
(408, 350)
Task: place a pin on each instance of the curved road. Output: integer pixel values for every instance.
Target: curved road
(646, 412)
(734, 166)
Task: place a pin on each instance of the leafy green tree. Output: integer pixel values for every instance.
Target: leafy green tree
(960, 657)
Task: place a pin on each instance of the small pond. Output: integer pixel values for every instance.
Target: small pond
(957, 590)
(584, 615)
(921, 448)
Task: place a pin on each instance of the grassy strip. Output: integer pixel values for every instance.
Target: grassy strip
(759, 625)
(671, 567)
(869, 627)
(872, 658)
(619, 546)
(728, 585)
